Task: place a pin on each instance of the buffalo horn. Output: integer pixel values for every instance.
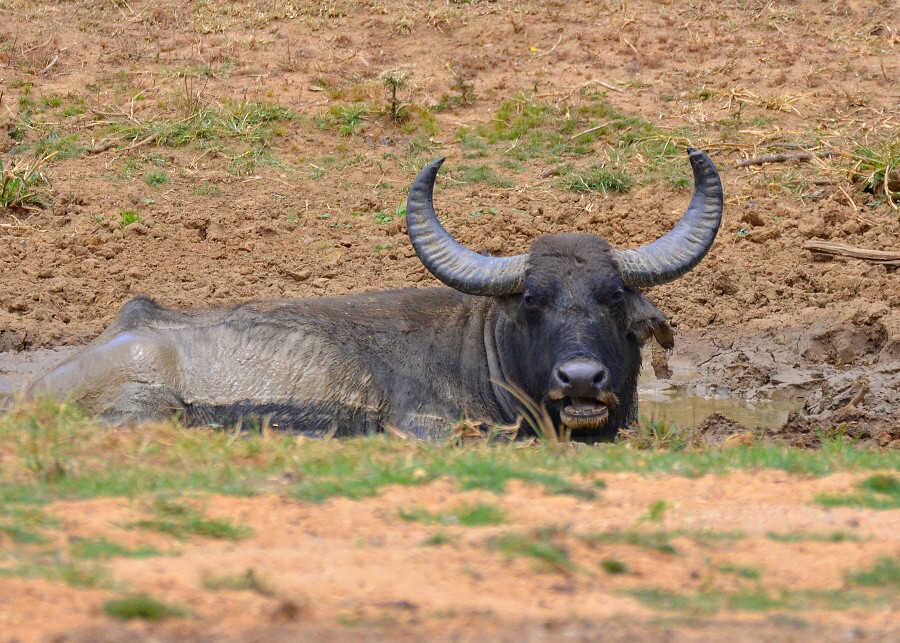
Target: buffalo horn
(664, 260)
(673, 255)
(448, 260)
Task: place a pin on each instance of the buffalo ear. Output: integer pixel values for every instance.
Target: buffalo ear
(646, 320)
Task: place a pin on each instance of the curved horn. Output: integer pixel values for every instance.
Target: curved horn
(448, 260)
(673, 255)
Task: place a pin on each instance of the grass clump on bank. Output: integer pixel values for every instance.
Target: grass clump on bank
(538, 545)
(477, 515)
(881, 491)
(143, 607)
(182, 521)
(53, 451)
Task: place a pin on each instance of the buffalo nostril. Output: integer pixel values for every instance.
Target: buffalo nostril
(581, 378)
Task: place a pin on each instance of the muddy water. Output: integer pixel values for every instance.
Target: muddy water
(669, 399)
(686, 409)
(678, 400)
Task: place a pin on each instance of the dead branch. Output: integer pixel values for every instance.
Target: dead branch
(782, 158)
(883, 257)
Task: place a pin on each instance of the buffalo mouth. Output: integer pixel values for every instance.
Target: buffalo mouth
(586, 413)
(579, 413)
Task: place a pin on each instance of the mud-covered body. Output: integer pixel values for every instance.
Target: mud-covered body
(562, 325)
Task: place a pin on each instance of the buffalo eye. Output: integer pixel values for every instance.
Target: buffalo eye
(530, 301)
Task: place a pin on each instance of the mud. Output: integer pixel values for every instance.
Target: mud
(759, 318)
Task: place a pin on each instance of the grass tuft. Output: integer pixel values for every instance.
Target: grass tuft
(598, 178)
(880, 491)
(19, 183)
(141, 606)
(182, 521)
(250, 581)
(885, 572)
(613, 566)
(101, 548)
(660, 541)
(537, 545)
(477, 515)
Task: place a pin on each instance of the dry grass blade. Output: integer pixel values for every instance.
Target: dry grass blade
(536, 414)
(398, 433)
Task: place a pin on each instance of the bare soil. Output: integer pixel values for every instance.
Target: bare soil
(356, 569)
(760, 317)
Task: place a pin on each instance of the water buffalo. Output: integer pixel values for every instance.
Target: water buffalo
(563, 323)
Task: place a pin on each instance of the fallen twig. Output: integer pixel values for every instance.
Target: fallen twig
(783, 157)
(552, 48)
(883, 257)
(589, 130)
(775, 158)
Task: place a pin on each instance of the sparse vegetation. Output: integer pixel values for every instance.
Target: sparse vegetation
(538, 545)
(19, 183)
(102, 548)
(477, 515)
(128, 217)
(613, 566)
(754, 600)
(142, 607)
(885, 572)
(598, 178)
(660, 541)
(654, 434)
(250, 581)
(881, 491)
(181, 520)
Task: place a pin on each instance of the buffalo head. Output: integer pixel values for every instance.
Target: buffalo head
(572, 320)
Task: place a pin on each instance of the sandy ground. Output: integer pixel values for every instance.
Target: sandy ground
(355, 569)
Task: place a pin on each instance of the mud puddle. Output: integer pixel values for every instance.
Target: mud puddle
(689, 410)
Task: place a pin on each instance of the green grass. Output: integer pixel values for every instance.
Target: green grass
(467, 174)
(836, 536)
(885, 572)
(755, 600)
(127, 217)
(207, 189)
(345, 119)
(877, 161)
(526, 129)
(881, 491)
(250, 581)
(437, 539)
(19, 184)
(56, 145)
(537, 546)
(155, 178)
(249, 122)
(598, 178)
(656, 511)
(142, 607)
(613, 566)
(54, 566)
(103, 549)
(181, 521)
(748, 573)
(53, 451)
(477, 515)
(660, 541)
(654, 434)
(20, 535)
